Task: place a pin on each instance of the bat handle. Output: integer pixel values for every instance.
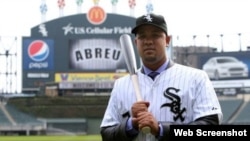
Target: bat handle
(136, 87)
(146, 130)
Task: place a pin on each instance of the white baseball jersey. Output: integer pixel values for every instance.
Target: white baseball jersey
(179, 94)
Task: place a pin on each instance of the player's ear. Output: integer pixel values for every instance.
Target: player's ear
(168, 38)
(135, 41)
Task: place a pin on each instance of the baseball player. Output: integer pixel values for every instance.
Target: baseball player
(177, 95)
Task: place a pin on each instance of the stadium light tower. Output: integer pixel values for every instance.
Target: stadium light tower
(208, 40)
(208, 43)
(194, 37)
(221, 37)
(240, 41)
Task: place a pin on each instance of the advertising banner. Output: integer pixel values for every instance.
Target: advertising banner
(228, 71)
(77, 47)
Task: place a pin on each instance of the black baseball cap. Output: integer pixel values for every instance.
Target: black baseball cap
(151, 19)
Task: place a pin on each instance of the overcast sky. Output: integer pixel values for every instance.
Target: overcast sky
(185, 18)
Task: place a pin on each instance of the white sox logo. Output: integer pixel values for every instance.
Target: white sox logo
(148, 18)
(175, 105)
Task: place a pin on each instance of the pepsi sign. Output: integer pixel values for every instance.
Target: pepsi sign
(38, 54)
(38, 51)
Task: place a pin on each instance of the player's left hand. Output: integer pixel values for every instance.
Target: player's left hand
(147, 119)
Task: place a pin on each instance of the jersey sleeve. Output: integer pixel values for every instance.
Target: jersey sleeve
(111, 115)
(206, 102)
(116, 108)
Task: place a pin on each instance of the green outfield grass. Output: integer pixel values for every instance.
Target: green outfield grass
(51, 138)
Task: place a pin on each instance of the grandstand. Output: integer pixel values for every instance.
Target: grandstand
(229, 107)
(12, 121)
(4, 121)
(236, 109)
(244, 116)
(82, 114)
(65, 115)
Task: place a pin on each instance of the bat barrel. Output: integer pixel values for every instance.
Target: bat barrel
(128, 53)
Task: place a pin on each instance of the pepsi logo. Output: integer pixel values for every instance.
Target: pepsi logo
(38, 50)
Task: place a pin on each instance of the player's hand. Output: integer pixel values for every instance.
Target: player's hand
(138, 107)
(147, 119)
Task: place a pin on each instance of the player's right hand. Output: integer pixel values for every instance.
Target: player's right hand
(146, 119)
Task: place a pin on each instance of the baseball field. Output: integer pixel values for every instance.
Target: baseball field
(52, 138)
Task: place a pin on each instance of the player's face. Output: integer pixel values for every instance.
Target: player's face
(151, 44)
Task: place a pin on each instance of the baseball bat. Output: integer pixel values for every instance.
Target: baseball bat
(129, 55)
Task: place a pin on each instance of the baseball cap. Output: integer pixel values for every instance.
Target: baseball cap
(151, 19)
